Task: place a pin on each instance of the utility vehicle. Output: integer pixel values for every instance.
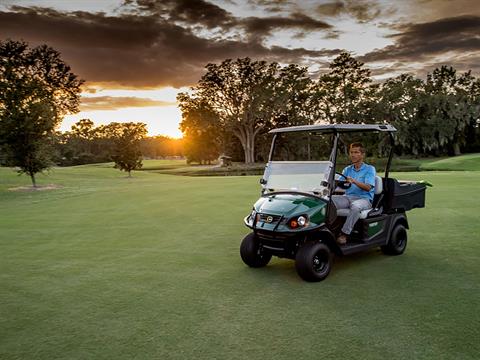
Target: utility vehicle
(295, 216)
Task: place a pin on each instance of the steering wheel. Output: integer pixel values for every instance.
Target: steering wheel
(343, 184)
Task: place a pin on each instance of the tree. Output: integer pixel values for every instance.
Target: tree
(294, 97)
(83, 135)
(435, 116)
(240, 92)
(36, 90)
(83, 129)
(84, 144)
(454, 106)
(342, 89)
(126, 137)
(202, 132)
(400, 101)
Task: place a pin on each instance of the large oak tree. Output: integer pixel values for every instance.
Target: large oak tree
(241, 93)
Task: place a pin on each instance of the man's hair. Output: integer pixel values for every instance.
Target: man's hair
(357, 145)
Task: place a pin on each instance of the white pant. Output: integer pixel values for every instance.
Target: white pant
(355, 204)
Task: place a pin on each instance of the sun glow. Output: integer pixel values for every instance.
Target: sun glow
(160, 120)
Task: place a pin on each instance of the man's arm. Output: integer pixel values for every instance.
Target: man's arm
(363, 186)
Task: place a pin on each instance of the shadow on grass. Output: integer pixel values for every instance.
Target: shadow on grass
(285, 268)
(361, 266)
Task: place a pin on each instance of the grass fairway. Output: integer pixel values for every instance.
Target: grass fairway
(463, 162)
(149, 268)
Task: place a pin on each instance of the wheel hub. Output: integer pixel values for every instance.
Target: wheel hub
(318, 264)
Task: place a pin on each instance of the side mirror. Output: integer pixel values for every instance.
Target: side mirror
(263, 181)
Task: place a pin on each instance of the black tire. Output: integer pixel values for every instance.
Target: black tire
(397, 242)
(252, 253)
(313, 261)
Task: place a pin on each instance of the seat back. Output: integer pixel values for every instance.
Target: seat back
(377, 199)
(378, 185)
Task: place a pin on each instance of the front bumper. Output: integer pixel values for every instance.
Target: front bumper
(280, 240)
(279, 228)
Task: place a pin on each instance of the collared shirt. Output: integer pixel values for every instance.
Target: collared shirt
(366, 175)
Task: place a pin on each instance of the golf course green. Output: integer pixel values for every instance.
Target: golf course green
(101, 266)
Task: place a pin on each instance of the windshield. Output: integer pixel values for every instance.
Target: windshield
(305, 176)
(301, 161)
(302, 146)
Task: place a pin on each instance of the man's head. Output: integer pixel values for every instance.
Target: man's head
(357, 153)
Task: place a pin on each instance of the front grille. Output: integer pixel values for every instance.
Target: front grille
(283, 245)
(270, 219)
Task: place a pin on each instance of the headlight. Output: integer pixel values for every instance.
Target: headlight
(302, 221)
(293, 223)
(298, 222)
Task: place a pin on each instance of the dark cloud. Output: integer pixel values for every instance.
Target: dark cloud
(421, 42)
(118, 102)
(258, 28)
(361, 11)
(137, 50)
(197, 12)
(430, 10)
(200, 13)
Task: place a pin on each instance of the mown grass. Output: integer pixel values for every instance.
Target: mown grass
(108, 267)
(470, 162)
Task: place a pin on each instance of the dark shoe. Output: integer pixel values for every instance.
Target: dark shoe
(342, 239)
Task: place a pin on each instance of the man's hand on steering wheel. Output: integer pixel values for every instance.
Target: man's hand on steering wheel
(343, 184)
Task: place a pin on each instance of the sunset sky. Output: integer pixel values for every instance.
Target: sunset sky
(136, 55)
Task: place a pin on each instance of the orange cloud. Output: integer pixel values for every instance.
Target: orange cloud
(117, 102)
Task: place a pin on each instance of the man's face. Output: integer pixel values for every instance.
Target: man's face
(356, 155)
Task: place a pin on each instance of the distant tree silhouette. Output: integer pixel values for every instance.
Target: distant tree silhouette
(36, 90)
(126, 137)
(160, 146)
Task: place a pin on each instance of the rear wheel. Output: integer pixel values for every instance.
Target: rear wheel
(252, 253)
(398, 241)
(313, 261)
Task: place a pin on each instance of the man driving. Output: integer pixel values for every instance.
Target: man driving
(359, 195)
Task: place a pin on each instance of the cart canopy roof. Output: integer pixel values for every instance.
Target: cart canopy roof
(340, 128)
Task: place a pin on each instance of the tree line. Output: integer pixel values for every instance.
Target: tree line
(237, 102)
(86, 143)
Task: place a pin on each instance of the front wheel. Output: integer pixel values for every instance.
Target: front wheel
(252, 253)
(313, 261)
(398, 241)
